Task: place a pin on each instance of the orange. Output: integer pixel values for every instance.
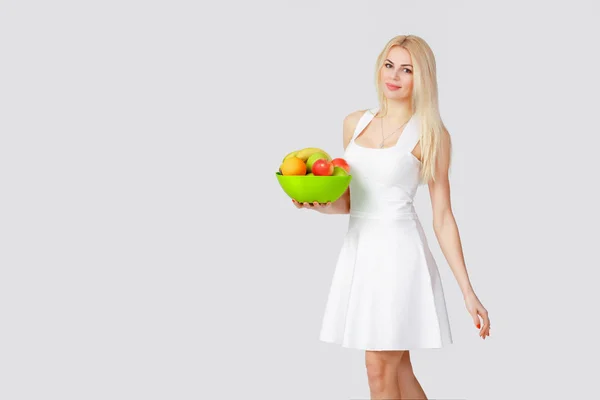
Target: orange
(293, 166)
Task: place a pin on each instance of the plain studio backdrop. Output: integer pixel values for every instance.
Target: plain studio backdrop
(148, 252)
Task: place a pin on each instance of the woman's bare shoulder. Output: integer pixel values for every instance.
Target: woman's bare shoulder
(350, 122)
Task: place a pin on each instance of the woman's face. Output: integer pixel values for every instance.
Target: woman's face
(397, 71)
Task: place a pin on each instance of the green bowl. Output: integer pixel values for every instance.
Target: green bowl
(310, 188)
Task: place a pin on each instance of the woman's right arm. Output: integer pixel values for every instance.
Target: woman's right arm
(341, 205)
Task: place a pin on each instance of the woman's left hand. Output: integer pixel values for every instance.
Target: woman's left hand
(476, 309)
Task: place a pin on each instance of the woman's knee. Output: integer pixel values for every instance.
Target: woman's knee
(381, 365)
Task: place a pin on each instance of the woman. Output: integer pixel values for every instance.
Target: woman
(386, 295)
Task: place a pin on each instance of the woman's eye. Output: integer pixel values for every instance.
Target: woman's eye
(405, 69)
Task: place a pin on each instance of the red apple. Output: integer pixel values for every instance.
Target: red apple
(322, 167)
(340, 162)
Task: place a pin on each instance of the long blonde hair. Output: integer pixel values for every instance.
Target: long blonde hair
(433, 134)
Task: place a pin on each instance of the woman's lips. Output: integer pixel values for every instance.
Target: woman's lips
(392, 87)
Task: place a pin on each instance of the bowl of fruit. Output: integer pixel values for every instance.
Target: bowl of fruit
(310, 175)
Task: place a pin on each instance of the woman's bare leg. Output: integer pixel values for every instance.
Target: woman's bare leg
(409, 386)
(382, 373)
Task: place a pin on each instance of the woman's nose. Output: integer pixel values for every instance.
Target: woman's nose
(395, 75)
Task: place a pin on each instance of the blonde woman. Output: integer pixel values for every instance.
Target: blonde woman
(386, 296)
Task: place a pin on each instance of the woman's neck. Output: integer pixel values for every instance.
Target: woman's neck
(396, 116)
(397, 112)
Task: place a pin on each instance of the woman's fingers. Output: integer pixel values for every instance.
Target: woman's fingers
(476, 320)
(310, 205)
(297, 204)
(486, 320)
(485, 329)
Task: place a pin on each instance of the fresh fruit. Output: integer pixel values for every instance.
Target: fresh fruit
(292, 154)
(340, 162)
(322, 167)
(293, 166)
(339, 171)
(314, 157)
(309, 151)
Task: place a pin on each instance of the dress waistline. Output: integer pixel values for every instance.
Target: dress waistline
(385, 215)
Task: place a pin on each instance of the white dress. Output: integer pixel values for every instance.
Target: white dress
(386, 292)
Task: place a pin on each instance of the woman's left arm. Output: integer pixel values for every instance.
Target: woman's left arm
(446, 231)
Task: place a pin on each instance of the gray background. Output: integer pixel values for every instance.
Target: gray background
(147, 251)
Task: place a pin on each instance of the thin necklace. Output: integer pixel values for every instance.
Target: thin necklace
(384, 138)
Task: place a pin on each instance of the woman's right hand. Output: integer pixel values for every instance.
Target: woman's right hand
(314, 205)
